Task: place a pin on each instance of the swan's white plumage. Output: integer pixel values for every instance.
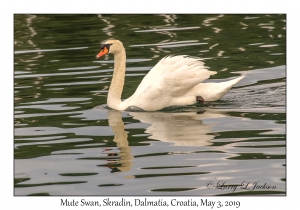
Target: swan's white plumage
(174, 80)
(169, 82)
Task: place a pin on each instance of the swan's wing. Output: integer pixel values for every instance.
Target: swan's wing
(174, 76)
(154, 73)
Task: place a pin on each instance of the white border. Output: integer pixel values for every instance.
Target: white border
(8, 8)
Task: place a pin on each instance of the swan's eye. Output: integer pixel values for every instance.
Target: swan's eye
(105, 46)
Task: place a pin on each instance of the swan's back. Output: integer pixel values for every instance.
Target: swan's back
(171, 78)
(179, 72)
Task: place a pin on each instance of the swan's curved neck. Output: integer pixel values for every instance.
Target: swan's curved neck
(117, 82)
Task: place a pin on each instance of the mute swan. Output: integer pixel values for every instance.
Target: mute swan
(173, 81)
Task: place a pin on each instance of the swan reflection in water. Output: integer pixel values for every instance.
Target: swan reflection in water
(181, 129)
(116, 123)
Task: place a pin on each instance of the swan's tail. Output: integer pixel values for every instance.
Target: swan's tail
(232, 82)
(214, 91)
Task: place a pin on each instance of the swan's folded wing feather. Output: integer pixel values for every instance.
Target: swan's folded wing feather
(162, 66)
(173, 76)
(185, 78)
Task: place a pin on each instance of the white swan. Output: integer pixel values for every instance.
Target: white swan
(173, 81)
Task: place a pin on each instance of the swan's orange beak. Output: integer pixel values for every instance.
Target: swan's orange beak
(104, 51)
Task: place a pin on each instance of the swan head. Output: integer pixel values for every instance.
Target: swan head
(110, 46)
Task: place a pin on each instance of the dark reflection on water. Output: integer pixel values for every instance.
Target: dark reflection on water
(68, 143)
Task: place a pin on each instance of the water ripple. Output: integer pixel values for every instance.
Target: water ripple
(169, 29)
(47, 50)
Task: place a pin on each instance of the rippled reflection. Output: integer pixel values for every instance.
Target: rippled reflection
(117, 125)
(181, 129)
